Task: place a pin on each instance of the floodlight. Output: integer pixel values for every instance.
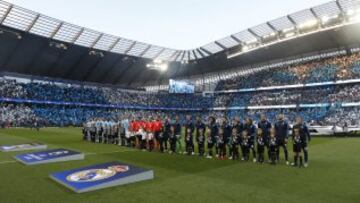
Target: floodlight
(290, 34)
(309, 23)
(163, 67)
(157, 66)
(157, 61)
(245, 48)
(288, 29)
(325, 19)
(273, 34)
(254, 40)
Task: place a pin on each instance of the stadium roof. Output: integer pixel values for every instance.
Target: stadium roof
(29, 21)
(49, 47)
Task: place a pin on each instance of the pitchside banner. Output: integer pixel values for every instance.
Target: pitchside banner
(22, 147)
(101, 176)
(49, 156)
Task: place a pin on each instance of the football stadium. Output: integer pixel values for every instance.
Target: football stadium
(267, 113)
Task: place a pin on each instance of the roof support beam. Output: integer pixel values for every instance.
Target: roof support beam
(130, 47)
(52, 35)
(77, 36)
(291, 20)
(339, 6)
(272, 27)
(220, 45)
(314, 13)
(145, 50)
(6, 14)
(96, 40)
(188, 55)
(316, 16)
(206, 51)
(201, 53)
(253, 33)
(114, 44)
(177, 55)
(32, 23)
(158, 54)
(236, 39)
(193, 51)
(183, 56)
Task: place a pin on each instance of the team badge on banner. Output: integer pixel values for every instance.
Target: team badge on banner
(101, 176)
(22, 147)
(49, 156)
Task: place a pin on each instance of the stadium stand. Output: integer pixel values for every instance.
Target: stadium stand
(74, 104)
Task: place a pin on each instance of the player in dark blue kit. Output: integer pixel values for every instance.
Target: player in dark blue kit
(177, 130)
(211, 136)
(260, 141)
(282, 134)
(251, 133)
(189, 132)
(164, 136)
(265, 126)
(305, 138)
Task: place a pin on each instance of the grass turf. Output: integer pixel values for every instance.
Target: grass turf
(332, 175)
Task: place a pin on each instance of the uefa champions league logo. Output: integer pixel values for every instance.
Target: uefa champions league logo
(92, 175)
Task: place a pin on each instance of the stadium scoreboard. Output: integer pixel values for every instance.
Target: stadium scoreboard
(181, 87)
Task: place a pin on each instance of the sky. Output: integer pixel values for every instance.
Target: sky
(178, 24)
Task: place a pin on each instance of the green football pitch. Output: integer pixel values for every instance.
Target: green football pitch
(332, 176)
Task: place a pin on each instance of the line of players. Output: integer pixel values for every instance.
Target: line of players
(226, 140)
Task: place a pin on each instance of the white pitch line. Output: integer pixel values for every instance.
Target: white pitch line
(7, 162)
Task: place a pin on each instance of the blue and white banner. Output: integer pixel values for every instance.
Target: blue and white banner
(49, 156)
(23, 147)
(101, 176)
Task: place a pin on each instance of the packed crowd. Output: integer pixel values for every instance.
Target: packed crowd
(97, 95)
(16, 115)
(57, 115)
(340, 67)
(218, 138)
(308, 95)
(330, 69)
